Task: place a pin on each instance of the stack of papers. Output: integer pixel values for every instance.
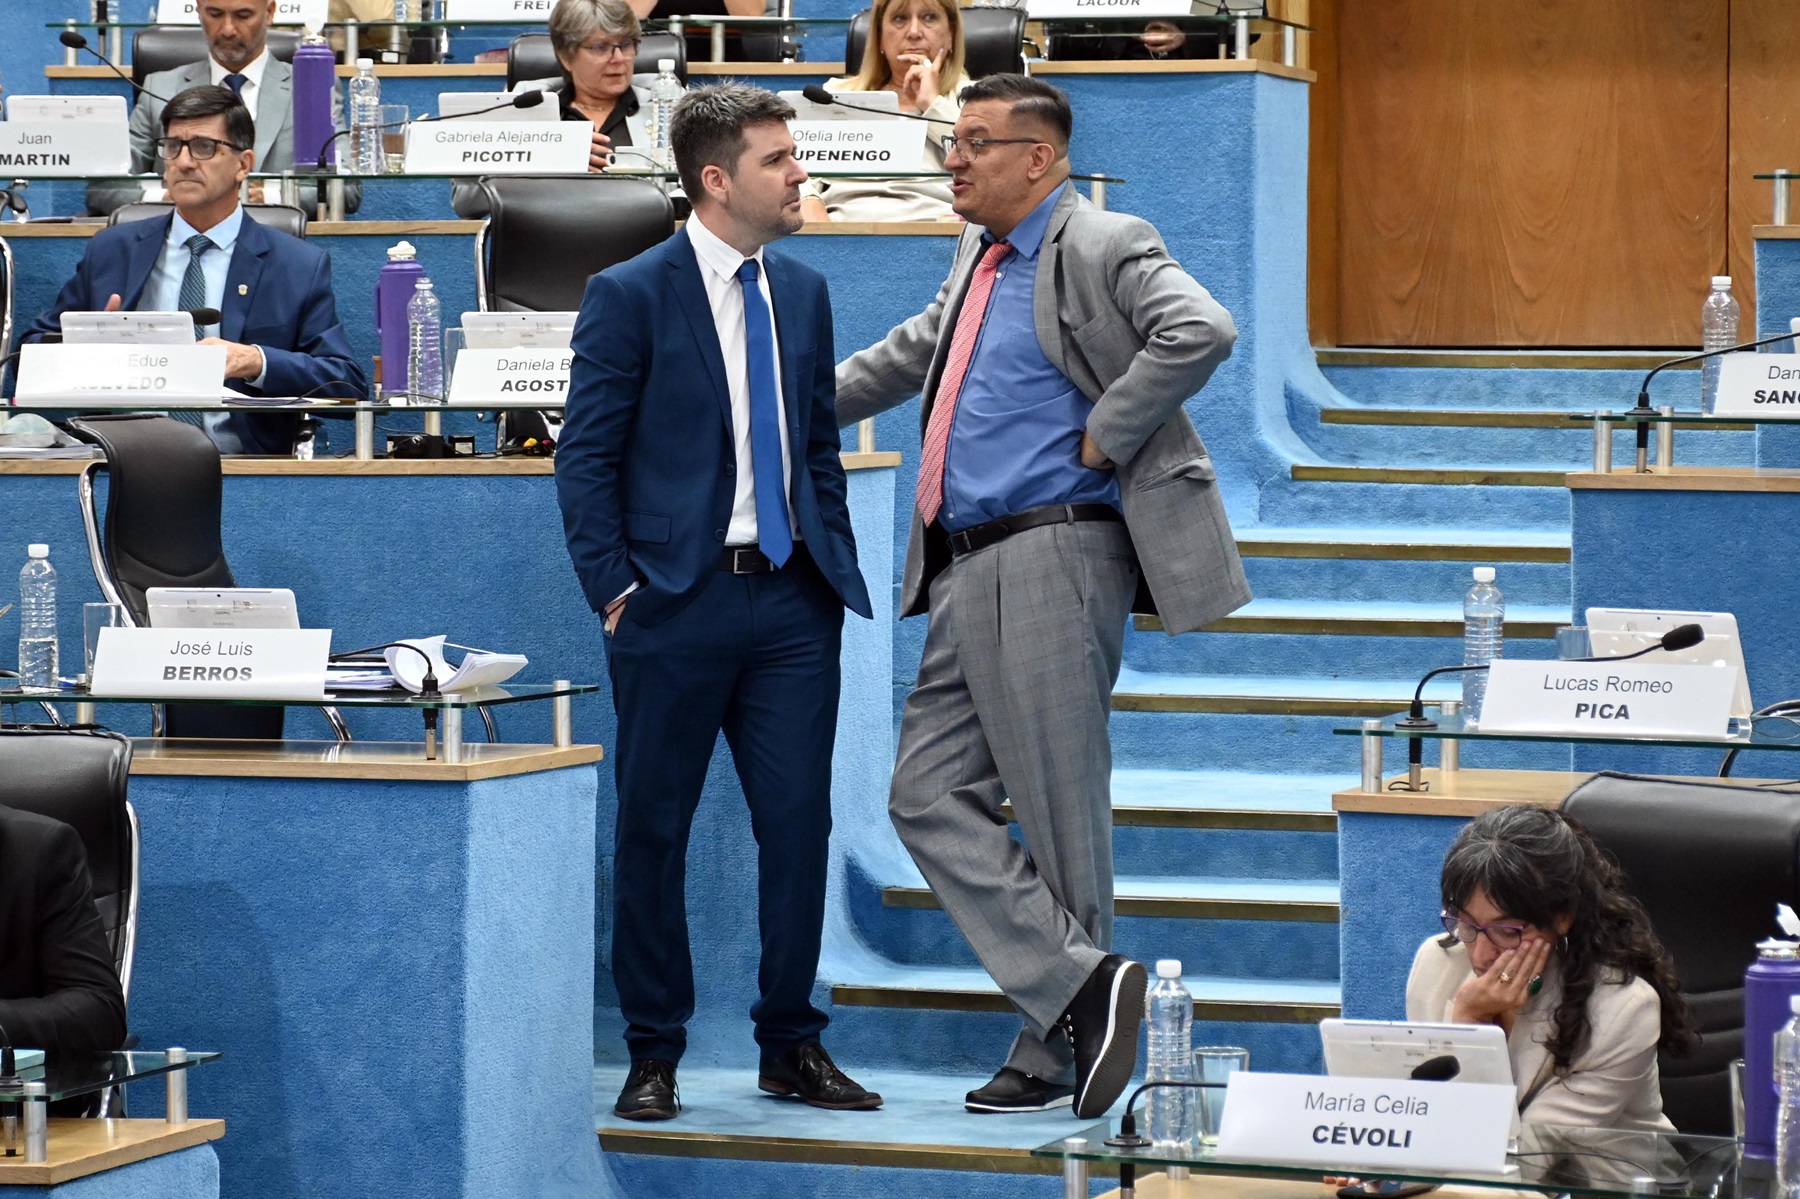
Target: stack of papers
(479, 668)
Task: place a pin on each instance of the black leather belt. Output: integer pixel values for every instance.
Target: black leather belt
(995, 531)
(747, 560)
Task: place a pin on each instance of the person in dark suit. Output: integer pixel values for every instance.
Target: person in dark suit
(280, 325)
(704, 504)
(58, 987)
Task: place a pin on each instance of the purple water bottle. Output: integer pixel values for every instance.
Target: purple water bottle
(1772, 979)
(393, 289)
(315, 77)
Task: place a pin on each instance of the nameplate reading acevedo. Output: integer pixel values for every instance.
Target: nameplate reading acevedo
(498, 147)
(211, 663)
(136, 376)
(1762, 385)
(65, 149)
(1608, 699)
(1344, 1124)
(878, 144)
(537, 378)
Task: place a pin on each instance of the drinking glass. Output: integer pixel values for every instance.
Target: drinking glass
(454, 343)
(1215, 1063)
(95, 617)
(393, 138)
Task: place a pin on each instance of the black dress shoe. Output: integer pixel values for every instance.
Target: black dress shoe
(649, 1092)
(1016, 1091)
(1103, 1025)
(809, 1074)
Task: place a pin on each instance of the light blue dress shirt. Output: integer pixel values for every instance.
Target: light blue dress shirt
(1015, 443)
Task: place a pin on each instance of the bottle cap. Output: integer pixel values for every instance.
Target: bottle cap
(1484, 574)
(1168, 968)
(423, 284)
(37, 549)
(1794, 1004)
(665, 64)
(404, 252)
(1721, 282)
(365, 64)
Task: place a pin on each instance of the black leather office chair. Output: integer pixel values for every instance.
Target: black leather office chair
(163, 506)
(993, 41)
(79, 777)
(164, 47)
(285, 217)
(530, 56)
(1709, 863)
(550, 233)
(6, 297)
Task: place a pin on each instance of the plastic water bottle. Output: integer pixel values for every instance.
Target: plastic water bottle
(425, 345)
(1718, 329)
(365, 120)
(1787, 1128)
(37, 620)
(1484, 638)
(663, 94)
(1171, 1014)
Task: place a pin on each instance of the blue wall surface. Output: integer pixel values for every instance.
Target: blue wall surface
(186, 1174)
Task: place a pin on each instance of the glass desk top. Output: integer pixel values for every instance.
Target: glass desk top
(1576, 1161)
(478, 697)
(1631, 416)
(1765, 732)
(67, 1075)
(615, 173)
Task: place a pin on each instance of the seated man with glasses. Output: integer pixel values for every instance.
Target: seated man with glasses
(1543, 940)
(596, 42)
(279, 316)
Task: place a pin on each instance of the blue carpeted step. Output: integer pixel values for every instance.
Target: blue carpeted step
(1225, 824)
(1511, 380)
(1355, 505)
(1388, 436)
(1383, 564)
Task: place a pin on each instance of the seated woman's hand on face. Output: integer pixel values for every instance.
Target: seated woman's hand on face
(1498, 993)
(921, 84)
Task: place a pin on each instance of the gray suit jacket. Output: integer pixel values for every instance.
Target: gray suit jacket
(1138, 336)
(274, 133)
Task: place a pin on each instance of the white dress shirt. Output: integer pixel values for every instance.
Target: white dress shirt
(252, 73)
(719, 265)
(163, 291)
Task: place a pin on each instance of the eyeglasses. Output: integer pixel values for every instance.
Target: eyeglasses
(1501, 936)
(969, 147)
(202, 148)
(625, 49)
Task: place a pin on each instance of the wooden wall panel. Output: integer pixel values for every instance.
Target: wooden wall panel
(1765, 127)
(1322, 177)
(1542, 173)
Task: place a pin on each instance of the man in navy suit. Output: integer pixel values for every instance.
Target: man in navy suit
(280, 325)
(704, 503)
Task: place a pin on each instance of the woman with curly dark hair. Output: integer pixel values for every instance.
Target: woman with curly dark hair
(1545, 942)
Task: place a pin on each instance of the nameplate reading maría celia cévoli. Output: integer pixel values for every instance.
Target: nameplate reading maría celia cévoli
(1341, 1124)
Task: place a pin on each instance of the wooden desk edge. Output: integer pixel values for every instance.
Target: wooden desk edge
(1689, 478)
(384, 467)
(1775, 232)
(363, 760)
(79, 1148)
(1469, 793)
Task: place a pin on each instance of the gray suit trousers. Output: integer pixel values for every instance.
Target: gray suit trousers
(1014, 692)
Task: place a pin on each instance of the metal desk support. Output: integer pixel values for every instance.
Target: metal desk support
(1602, 442)
(1075, 1170)
(1289, 55)
(352, 41)
(1097, 194)
(1371, 756)
(1449, 748)
(334, 199)
(1665, 437)
(365, 435)
(718, 41)
(1782, 182)
(1242, 48)
(562, 719)
(177, 1088)
(452, 741)
(69, 51)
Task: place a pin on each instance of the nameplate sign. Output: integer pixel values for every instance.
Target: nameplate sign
(498, 147)
(874, 145)
(1608, 699)
(311, 13)
(1065, 9)
(64, 149)
(1762, 385)
(120, 375)
(531, 12)
(540, 377)
(211, 663)
(1345, 1124)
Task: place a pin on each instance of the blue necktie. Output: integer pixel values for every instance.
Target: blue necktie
(193, 280)
(774, 537)
(236, 82)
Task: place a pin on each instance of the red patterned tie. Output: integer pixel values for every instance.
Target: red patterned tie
(930, 495)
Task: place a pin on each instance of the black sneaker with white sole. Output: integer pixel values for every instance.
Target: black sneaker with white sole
(1103, 1025)
(1016, 1091)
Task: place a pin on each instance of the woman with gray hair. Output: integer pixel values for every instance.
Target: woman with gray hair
(596, 43)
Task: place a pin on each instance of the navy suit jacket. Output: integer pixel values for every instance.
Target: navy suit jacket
(645, 466)
(277, 296)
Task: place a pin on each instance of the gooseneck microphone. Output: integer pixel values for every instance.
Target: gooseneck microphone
(818, 95)
(76, 41)
(529, 99)
(1642, 408)
(1682, 636)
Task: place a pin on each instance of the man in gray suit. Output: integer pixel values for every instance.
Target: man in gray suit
(1059, 475)
(237, 34)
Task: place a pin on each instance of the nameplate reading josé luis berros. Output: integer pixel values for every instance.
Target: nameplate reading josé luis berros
(202, 663)
(1338, 1123)
(1619, 699)
(497, 148)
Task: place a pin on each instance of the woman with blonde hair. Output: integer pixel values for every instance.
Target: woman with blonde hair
(915, 51)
